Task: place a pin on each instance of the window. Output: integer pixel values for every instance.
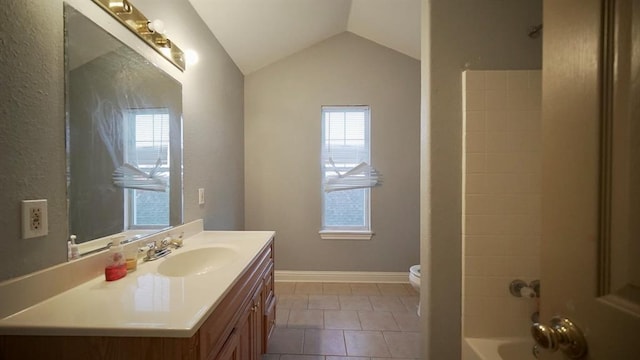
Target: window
(146, 146)
(345, 144)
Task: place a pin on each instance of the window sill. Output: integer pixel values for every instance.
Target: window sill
(345, 235)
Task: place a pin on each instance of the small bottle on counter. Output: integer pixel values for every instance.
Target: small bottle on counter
(74, 252)
(116, 267)
(131, 257)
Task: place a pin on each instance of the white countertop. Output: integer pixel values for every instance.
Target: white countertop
(144, 303)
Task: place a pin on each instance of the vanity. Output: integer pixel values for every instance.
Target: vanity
(211, 299)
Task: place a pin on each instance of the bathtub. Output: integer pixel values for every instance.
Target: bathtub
(497, 349)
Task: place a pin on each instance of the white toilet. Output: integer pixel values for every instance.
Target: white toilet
(414, 279)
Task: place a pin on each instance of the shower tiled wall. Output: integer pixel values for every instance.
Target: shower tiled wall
(501, 230)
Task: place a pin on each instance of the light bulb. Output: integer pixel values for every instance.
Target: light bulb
(191, 57)
(157, 26)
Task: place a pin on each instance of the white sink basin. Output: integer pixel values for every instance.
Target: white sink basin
(196, 262)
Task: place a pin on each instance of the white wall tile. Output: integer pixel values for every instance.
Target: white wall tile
(518, 99)
(495, 265)
(495, 80)
(474, 80)
(478, 224)
(475, 100)
(477, 245)
(497, 286)
(517, 79)
(535, 80)
(475, 163)
(501, 141)
(502, 199)
(500, 183)
(474, 121)
(499, 120)
(476, 307)
(475, 142)
(473, 326)
(496, 99)
(475, 183)
(474, 266)
(498, 162)
(476, 204)
(475, 286)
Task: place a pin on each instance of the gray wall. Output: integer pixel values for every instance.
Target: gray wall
(282, 153)
(458, 34)
(32, 126)
(213, 101)
(31, 132)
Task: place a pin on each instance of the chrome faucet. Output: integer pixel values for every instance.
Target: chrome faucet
(156, 250)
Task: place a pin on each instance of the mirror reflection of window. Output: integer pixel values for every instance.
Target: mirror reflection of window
(147, 148)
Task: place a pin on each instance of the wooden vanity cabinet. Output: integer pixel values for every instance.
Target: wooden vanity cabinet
(238, 329)
(241, 313)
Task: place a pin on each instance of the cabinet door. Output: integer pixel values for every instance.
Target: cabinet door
(250, 328)
(244, 333)
(231, 348)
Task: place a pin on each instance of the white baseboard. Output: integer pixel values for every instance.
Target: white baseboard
(341, 276)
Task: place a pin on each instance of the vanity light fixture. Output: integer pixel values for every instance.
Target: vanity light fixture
(120, 7)
(152, 32)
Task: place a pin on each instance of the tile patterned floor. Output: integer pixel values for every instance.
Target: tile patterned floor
(339, 321)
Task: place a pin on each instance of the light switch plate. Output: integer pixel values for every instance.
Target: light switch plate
(201, 196)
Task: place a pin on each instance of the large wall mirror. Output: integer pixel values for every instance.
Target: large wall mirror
(123, 135)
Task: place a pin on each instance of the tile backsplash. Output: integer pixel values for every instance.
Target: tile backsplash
(501, 206)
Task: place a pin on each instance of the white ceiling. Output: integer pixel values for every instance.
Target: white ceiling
(257, 33)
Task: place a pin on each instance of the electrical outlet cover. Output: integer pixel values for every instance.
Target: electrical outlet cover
(34, 218)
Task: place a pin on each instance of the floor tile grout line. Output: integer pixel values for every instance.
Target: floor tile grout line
(406, 308)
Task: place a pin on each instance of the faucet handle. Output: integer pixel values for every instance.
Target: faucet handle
(177, 242)
(147, 247)
(164, 242)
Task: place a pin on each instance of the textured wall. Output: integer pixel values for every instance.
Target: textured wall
(282, 151)
(461, 34)
(31, 131)
(32, 126)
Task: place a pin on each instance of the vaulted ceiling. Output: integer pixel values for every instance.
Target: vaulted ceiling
(257, 33)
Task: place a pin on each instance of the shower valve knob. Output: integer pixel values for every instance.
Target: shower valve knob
(562, 334)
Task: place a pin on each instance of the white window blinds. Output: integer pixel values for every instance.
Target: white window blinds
(346, 153)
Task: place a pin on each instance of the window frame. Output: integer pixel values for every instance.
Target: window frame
(345, 232)
(130, 194)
